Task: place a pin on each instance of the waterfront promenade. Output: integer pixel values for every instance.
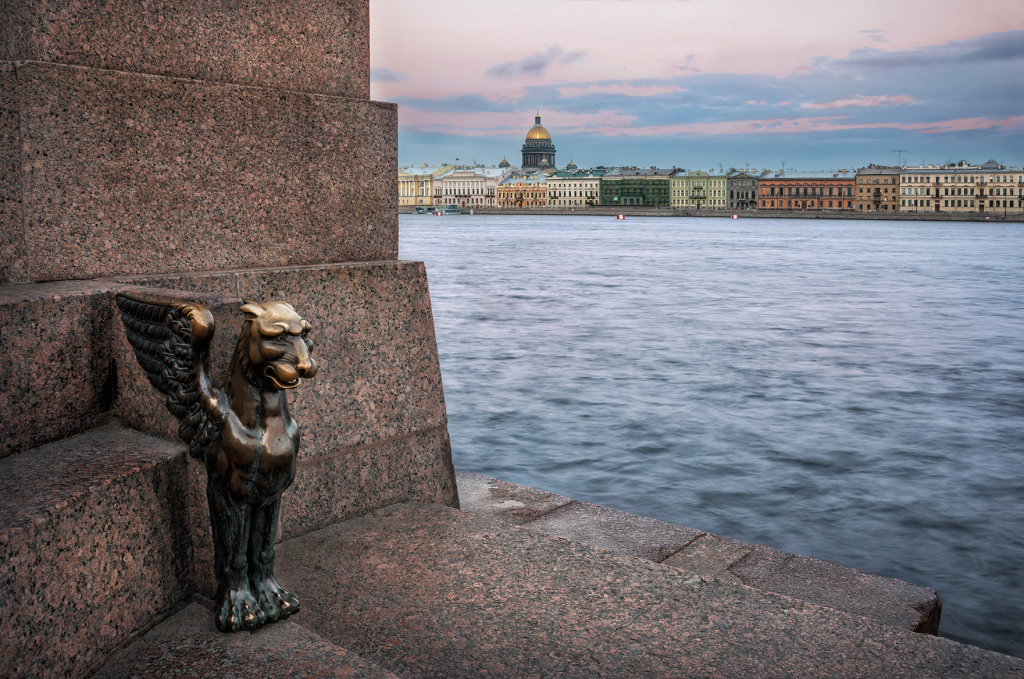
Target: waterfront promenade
(604, 210)
(422, 590)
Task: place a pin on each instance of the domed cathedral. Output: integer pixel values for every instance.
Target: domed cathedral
(538, 151)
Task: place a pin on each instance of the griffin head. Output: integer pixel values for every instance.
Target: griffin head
(279, 347)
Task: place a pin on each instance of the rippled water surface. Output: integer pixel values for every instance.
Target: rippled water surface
(847, 390)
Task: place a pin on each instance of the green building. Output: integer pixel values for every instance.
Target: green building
(629, 186)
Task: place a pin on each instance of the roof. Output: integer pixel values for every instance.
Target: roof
(805, 176)
(646, 173)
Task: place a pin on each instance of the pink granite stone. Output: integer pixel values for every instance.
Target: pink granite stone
(331, 489)
(129, 174)
(511, 502)
(56, 341)
(374, 430)
(93, 547)
(380, 377)
(311, 46)
(426, 591)
(188, 645)
(893, 602)
(12, 224)
(609, 528)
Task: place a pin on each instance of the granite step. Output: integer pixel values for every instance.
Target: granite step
(189, 645)
(94, 546)
(886, 600)
(423, 590)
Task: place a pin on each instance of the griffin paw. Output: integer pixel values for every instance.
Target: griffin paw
(277, 602)
(239, 611)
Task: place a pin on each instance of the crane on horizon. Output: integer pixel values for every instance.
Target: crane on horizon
(899, 156)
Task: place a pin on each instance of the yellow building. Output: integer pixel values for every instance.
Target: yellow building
(520, 192)
(878, 189)
(416, 184)
(699, 191)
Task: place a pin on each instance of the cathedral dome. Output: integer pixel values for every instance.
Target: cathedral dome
(538, 132)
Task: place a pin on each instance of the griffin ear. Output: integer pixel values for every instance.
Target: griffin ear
(252, 310)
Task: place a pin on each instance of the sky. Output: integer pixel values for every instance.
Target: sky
(699, 84)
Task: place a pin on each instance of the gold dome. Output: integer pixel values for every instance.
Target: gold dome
(538, 131)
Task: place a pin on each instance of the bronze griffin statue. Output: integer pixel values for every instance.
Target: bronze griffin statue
(244, 432)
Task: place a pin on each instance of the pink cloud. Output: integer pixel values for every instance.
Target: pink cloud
(861, 100)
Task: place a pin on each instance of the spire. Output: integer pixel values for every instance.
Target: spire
(538, 118)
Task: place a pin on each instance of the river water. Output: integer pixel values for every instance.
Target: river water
(847, 390)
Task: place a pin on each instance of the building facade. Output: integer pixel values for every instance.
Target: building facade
(416, 184)
(742, 190)
(630, 186)
(538, 150)
(581, 188)
(530, 191)
(806, 191)
(962, 188)
(698, 190)
(469, 187)
(878, 189)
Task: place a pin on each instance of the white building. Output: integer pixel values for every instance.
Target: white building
(989, 188)
(469, 187)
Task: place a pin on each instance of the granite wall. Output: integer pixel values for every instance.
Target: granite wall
(318, 46)
(123, 173)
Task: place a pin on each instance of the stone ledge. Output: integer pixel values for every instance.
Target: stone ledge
(188, 645)
(94, 543)
(428, 591)
(889, 601)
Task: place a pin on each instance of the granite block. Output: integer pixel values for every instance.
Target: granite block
(93, 546)
(57, 379)
(331, 489)
(715, 630)
(892, 602)
(188, 645)
(511, 502)
(373, 330)
(612, 529)
(373, 334)
(427, 591)
(12, 223)
(312, 46)
(127, 174)
(710, 556)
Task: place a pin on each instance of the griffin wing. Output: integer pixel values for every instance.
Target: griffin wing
(172, 343)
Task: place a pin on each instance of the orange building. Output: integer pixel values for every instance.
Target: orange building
(806, 191)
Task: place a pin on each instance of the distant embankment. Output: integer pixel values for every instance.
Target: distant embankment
(674, 212)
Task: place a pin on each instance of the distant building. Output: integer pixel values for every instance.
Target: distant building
(962, 188)
(741, 188)
(581, 188)
(629, 186)
(469, 187)
(416, 184)
(523, 192)
(538, 151)
(878, 189)
(699, 190)
(504, 164)
(806, 191)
